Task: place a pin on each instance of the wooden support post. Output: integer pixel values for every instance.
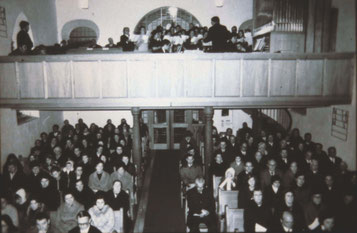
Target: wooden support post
(137, 144)
(310, 26)
(319, 21)
(208, 112)
(333, 29)
(326, 26)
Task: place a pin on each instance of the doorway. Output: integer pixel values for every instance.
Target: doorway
(167, 127)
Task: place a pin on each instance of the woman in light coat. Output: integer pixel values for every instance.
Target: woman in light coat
(101, 214)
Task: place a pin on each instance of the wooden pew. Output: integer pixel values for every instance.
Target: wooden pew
(135, 182)
(119, 220)
(182, 194)
(131, 204)
(227, 198)
(234, 220)
(216, 181)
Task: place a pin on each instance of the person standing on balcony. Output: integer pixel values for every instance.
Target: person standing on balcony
(218, 34)
(23, 37)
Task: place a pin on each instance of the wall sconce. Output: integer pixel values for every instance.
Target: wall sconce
(83, 4)
(219, 3)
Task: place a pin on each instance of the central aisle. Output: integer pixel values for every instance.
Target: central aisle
(164, 213)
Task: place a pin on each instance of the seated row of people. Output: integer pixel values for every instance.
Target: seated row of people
(172, 39)
(308, 183)
(61, 179)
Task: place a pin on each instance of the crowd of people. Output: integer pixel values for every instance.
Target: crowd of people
(74, 177)
(285, 183)
(171, 39)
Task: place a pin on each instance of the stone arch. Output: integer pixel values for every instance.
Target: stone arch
(69, 26)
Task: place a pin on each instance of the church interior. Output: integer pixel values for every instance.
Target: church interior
(155, 135)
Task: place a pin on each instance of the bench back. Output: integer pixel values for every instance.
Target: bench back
(227, 198)
(119, 220)
(234, 220)
(216, 181)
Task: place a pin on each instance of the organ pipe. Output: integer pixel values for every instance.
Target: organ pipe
(288, 15)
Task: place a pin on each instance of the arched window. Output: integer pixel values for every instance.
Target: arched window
(79, 31)
(167, 15)
(82, 34)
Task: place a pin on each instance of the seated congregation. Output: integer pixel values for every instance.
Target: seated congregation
(171, 39)
(267, 182)
(73, 176)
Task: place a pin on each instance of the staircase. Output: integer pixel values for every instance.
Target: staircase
(271, 120)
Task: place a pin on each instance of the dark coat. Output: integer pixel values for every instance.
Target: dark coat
(265, 177)
(257, 215)
(23, 38)
(92, 229)
(197, 201)
(86, 197)
(297, 212)
(121, 201)
(219, 35)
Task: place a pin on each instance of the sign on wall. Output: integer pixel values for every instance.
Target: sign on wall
(339, 128)
(3, 26)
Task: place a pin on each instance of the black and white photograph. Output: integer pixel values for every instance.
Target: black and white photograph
(178, 116)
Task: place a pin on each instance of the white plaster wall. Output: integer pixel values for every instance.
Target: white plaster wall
(98, 117)
(234, 120)
(112, 16)
(346, 25)
(19, 139)
(318, 121)
(41, 15)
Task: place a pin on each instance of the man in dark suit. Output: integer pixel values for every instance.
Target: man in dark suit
(242, 131)
(23, 37)
(257, 215)
(233, 145)
(187, 142)
(286, 223)
(314, 175)
(283, 160)
(305, 163)
(242, 178)
(14, 178)
(333, 162)
(243, 151)
(272, 146)
(265, 175)
(84, 225)
(308, 144)
(218, 34)
(227, 154)
(201, 208)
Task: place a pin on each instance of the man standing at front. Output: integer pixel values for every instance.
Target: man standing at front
(218, 34)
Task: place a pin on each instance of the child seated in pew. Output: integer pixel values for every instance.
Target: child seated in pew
(229, 183)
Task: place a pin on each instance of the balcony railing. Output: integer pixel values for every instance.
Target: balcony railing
(121, 81)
